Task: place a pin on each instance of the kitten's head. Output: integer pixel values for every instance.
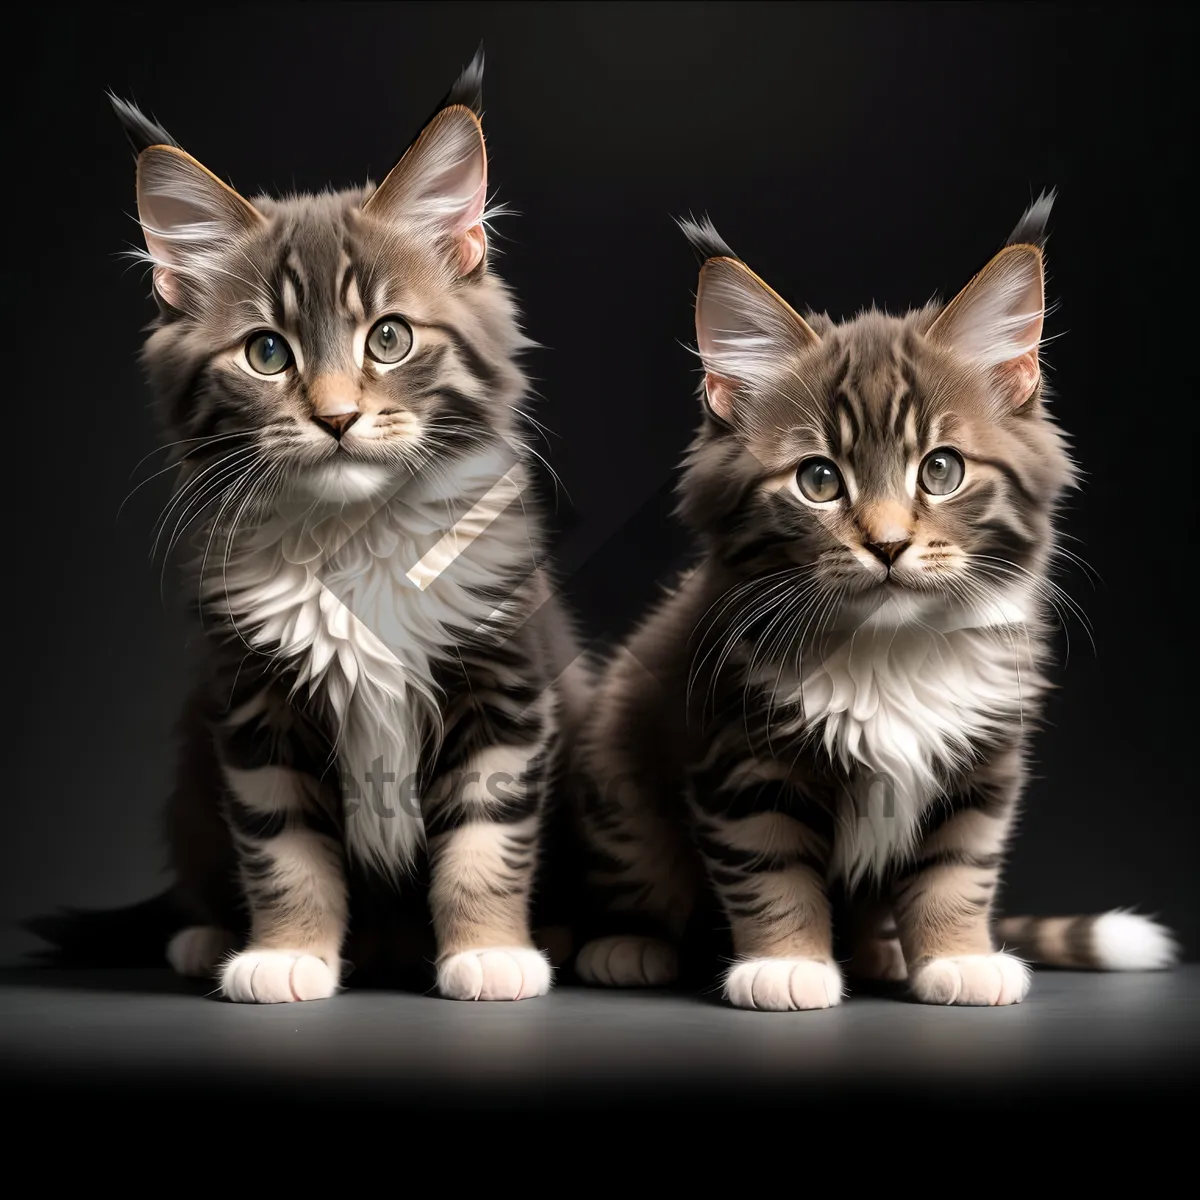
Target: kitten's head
(905, 459)
(329, 344)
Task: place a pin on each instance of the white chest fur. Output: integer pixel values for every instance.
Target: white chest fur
(894, 707)
(359, 602)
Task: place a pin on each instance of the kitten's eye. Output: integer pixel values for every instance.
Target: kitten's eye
(390, 340)
(819, 480)
(942, 472)
(268, 353)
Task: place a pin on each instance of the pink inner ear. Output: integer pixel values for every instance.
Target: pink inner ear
(720, 395)
(167, 286)
(1020, 377)
(472, 212)
(472, 246)
(468, 230)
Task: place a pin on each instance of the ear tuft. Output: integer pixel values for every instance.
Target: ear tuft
(141, 131)
(1031, 229)
(704, 238)
(468, 87)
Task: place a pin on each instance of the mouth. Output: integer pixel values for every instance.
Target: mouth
(904, 583)
(347, 477)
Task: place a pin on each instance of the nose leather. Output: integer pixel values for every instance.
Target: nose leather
(887, 552)
(336, 423)
(334, 400)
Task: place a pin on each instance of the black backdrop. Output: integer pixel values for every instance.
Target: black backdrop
(850, 153)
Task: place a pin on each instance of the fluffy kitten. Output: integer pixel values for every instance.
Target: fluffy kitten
(380, 695)
(838, 697)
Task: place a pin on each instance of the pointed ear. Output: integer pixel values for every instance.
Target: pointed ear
(188, 217)
(742, 330)
(440, 185)
(996, 321)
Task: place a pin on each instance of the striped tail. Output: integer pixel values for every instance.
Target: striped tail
(1111, 941)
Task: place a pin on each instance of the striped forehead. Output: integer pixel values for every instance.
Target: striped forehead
(313, 280)
(877, 410)
(310, 263)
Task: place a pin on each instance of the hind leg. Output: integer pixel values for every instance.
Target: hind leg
(628, 960)
(202, 857)
(643, 878)
(197, 951)
(875, 952)
(643, 874)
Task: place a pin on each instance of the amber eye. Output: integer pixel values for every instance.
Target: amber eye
(390, 340)
(942, 472)
(268, 353)
(819, 480)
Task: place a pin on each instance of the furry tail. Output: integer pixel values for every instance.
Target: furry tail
(136, 936)
(1111, 941)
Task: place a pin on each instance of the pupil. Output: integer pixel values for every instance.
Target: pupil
(387, 333)
(938, 466)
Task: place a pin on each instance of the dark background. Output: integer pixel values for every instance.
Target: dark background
(851, 154)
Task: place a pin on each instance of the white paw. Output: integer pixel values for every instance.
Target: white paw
(627, 962)
(879, 958)
(196, 951)
(276, 977)
(509, 973)
(972, 979)
(783, 984)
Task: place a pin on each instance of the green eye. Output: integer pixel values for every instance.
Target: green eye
(819, 480)
(268, 354)
(390, 340)
(942, 472)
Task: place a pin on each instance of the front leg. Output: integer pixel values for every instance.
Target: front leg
(289, 856)
(767, 850)
(482, 821)
(943, 898)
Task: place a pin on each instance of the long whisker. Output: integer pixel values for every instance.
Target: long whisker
(268, 475)
(207, 439)
(223, 486)
(230, 468)
(739, 624)
(193, 484)
(1046, 589)
(172, 465)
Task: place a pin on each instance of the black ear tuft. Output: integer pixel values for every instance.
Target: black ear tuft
(468, 87)
(705, 240)
(139, 129)
(467, 91)
(1031, 229)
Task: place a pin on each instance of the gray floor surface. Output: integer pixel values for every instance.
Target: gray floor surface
(1078, 1035)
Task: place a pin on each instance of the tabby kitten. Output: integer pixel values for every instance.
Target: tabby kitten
(838, 697)
(380, 692)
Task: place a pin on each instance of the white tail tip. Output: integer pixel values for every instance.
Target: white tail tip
(1125, 941)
